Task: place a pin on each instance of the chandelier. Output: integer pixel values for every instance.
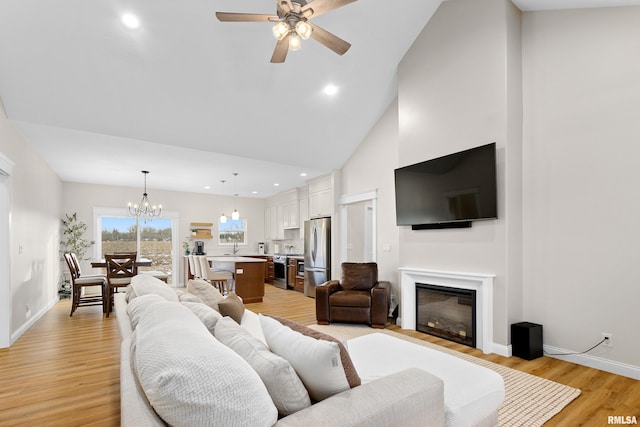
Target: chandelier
(145, 208)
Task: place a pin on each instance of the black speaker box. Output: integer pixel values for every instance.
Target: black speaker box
(526, 340)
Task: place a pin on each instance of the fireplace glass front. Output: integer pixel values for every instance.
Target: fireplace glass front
(448, 313)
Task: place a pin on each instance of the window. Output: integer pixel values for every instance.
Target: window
(154, 239)
(232, 232)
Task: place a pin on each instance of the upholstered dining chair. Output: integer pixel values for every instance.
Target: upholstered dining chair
(218, 278)
(357, 298)
(80, 281)
(120, 270)
(192, 267)
(197, 270)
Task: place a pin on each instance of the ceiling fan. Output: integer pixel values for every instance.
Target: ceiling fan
(292, 23)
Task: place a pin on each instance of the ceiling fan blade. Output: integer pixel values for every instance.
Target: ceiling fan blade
(244, 17)
(331, 41)
(280, 52)
(285, 5)
(318, 7)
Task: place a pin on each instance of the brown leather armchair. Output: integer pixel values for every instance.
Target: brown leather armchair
(358, 298)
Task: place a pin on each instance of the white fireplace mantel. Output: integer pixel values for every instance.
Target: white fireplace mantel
(481, 283)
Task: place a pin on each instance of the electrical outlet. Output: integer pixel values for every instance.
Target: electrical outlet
(608, 340)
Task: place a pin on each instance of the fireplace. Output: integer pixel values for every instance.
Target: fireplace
(482, 284)
(446, 312)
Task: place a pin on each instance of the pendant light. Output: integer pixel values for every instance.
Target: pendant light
(223, 217)
(235, 215)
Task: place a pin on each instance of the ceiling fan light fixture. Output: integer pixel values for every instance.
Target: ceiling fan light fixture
(280, 30)
(294, 41)
(303, 28)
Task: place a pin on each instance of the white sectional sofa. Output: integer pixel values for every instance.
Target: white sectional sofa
(182, 365)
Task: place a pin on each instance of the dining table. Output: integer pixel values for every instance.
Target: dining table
(141, 262)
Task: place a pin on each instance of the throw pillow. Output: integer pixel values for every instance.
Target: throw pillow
(143, 284)
(205, 291)
(207, 315)
(317, 362)
(190, 378)
(232, 306)
(349, 369)
(282, 382)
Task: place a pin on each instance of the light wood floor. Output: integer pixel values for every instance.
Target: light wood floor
(64, 371)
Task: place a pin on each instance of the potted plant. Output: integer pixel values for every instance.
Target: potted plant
(72, 232)
(185, 245)
(73, 242)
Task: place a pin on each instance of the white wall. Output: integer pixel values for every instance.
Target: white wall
(370, 168)
(581, 175)
(35, 232)
(458, 88)
(559, 92)
(191, 207)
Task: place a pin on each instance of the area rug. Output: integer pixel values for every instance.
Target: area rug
(529, 400)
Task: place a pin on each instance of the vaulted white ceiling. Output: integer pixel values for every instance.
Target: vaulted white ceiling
(194, 100)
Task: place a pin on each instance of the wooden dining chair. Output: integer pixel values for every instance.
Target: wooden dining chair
(80, 281)
(120, 270)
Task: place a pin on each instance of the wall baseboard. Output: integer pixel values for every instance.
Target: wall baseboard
(502, 350)
(32, 320)
(596, 362)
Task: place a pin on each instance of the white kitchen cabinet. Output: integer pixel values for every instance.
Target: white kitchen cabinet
(321, 203)
(304, 214)
(290, 215)
(321, 197)
(273, 223)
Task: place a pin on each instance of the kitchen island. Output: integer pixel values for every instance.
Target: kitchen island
(248, 275)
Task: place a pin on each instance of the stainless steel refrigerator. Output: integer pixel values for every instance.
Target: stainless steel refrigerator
(317, 254)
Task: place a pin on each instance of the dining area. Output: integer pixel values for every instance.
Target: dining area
(98, 289)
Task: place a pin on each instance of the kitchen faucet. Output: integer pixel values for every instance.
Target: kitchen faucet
(235, 246)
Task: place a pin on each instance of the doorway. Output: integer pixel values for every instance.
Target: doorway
(6, 168)
(358, 227)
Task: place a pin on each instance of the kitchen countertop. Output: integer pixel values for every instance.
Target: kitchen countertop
(227, 258)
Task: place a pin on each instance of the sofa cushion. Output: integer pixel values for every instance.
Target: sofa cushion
(282, 382)
(359, 276)
(350, 299)
(317, 362)
(349, 369)
(139, 305)
(190, 378)
(143, 284)
(207, 315)
(205, 291)
(232, 306)
(188, 297)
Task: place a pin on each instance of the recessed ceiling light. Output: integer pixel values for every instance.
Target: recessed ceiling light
(330, 90)
(303, 174)
(276, 185)
(207, 187)
(254, 192)
(130, 21)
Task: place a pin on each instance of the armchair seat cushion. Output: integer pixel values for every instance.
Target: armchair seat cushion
(350, 299)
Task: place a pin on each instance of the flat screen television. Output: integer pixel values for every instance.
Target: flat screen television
(449, 191)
